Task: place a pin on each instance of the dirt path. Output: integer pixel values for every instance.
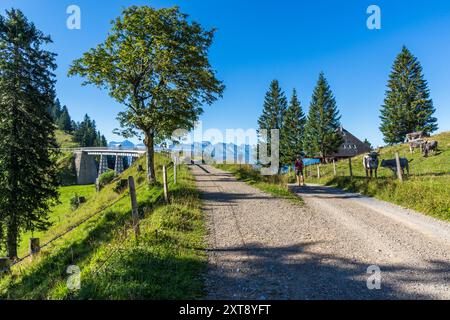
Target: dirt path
(267, 248)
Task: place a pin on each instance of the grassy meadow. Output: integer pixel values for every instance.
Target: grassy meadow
(426, 189)
(166, 261)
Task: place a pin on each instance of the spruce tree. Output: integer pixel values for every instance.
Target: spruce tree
(55, 110)
(292, 131)
(64, 122)
(28, 149)
(322, 134)
(407, 107)
(275, 105)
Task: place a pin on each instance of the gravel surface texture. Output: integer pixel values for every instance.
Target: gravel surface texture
(261, 247)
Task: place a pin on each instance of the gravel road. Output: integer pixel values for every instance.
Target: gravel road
(261, 247)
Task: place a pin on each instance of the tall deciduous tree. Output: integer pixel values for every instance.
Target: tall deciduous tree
(322, 134)
(155, 62)
(292, 133)
(407, 107)
(28, 172)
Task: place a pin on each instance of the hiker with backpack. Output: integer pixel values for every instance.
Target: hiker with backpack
(299, 166)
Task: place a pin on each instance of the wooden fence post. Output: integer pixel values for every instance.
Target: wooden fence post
(318, 171)
(35, 247)
(399, 167)
(166, 187)
(134, 207)
(350, 167)
(334, 167)
(175, 164)
(5, 265)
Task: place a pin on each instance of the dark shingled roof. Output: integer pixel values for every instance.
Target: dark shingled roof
(351, 147)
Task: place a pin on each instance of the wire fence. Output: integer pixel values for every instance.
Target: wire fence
(86, 219)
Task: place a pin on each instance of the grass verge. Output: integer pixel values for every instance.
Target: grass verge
(166, 262)
(426, 189)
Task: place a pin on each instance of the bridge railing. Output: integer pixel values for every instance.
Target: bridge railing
(103, 149)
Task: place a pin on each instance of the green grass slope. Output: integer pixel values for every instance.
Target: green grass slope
(65, 140)
(166, 262)
(66, 161)
(425, 190)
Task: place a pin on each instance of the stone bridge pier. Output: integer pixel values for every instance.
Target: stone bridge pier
(86, 168)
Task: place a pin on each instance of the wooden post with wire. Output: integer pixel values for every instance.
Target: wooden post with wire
(399, 167)
(350, 167)
(166, 186)
(134, 207)
(5, 265)
(35, 247)
(334, 167)
(175, 164)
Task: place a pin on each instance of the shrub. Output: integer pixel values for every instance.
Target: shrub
(121, 185)
(106, 178)
(76, 201)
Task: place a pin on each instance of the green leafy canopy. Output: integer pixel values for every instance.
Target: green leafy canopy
(155, 62)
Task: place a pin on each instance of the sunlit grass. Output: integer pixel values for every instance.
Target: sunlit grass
(426, 189)
(166, 262)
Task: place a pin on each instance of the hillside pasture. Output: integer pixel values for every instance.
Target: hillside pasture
(426, 189)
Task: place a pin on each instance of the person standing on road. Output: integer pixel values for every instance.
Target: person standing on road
(299, 171)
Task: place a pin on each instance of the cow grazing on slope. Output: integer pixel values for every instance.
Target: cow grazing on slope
(430, 146)
(392, 164)
(371, 163)
(416, 144)
(415, 136)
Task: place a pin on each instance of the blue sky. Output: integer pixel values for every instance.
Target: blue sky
(258, 41)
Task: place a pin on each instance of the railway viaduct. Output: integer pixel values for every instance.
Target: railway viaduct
(86, 167)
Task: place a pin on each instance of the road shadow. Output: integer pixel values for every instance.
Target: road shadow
(324, 192)
(299, 272)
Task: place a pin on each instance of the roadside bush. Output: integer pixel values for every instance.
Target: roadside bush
(106, 178)
(120, 186)
(76, 201)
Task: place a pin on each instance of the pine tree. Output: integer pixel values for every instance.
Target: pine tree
(64, 122)
(275, 105)
(293, 131)
(407, 107)
(28, 172)
(322, 134)
(55, 110)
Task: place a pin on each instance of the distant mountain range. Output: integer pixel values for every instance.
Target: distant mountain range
(218, 152)
(125, 144)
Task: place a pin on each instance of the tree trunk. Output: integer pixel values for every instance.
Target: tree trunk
(149, 143)
(12, 240)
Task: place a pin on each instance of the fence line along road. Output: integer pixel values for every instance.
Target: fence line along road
(89, 217)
